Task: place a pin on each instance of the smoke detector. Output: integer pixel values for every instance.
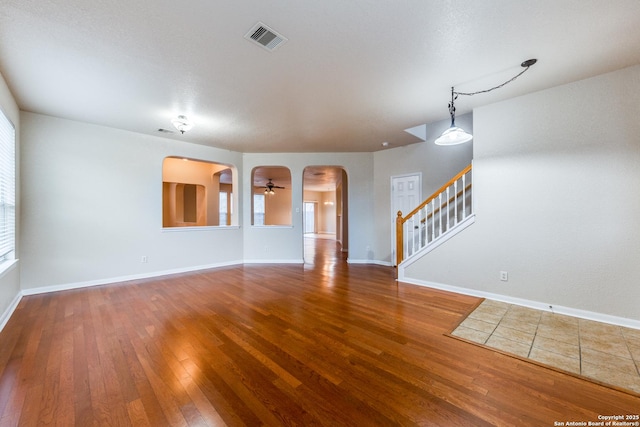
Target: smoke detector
(265, 37)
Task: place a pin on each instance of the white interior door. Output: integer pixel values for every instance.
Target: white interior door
(406, 195)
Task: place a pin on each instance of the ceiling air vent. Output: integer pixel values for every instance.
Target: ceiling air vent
(265, 37)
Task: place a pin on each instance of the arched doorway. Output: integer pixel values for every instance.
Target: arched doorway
(326, 207)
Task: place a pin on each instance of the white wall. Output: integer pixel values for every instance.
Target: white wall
(556, 183)
(286, 243)
(92, 206)
(438, 164)
(10, 278)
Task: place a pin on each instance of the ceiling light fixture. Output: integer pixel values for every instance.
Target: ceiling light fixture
(268, 188)
(455, 135)
(182, 123)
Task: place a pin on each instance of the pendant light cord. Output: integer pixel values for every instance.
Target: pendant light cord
(455, 135)
(525, 64)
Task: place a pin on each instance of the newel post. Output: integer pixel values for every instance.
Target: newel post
(399, 239)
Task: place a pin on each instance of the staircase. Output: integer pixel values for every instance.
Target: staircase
(444, 214)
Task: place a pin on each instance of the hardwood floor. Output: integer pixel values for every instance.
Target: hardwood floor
(326, 343)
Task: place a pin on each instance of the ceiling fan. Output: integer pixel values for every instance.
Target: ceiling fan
(268, 189)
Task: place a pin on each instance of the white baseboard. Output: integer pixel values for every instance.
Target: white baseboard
(4, 318)
(77, 285)
(273, 261)
(558, 309)
(369, 261)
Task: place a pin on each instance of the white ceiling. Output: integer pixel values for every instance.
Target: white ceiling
(353, 74)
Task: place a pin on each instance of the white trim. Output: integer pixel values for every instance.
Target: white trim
(558, 309)
(107, 281)
(273, 261)
(369, 261)
(394, 215)
(435, 243)
(77, 285)
(7, 266)
(4, 318)
(200, 228)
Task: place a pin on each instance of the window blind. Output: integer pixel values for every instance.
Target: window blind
(7, 188)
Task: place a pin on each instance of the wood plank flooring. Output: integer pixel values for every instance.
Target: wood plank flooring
(326, 344)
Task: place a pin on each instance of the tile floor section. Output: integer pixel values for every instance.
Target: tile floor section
(607, 353)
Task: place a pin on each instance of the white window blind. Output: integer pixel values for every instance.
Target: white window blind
(7, 189)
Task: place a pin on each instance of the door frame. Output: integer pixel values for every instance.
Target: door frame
(394, 211)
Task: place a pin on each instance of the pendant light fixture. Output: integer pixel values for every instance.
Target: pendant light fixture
(455, 135)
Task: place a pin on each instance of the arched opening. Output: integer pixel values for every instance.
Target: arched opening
(271, 200)
(325, 208)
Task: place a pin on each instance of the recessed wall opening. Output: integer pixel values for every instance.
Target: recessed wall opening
(271, 201)
(197, 193)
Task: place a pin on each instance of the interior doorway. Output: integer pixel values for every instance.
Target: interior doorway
(325, 208)
(406, 194)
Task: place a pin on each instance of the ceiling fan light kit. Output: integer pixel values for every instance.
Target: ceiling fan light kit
(268, 188)
(455, 135)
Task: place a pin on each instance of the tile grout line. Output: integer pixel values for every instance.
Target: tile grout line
(580, 346)
(626, 343)
(535, 333)
(499, 322)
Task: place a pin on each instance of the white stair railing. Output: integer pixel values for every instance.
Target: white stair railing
(434, 217)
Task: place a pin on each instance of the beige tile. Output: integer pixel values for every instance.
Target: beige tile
(514, 334)
(494, 303)
(471, 334)
(630, 333)
(486, 317)
(489, 313)
(555, 360)
(613, 344)
(635, 352)
(558, 347)
(611, 376)
(631, 339)
(508, 346)
(523, 314)
(519, 325)
(497, 306)
(557, 334)
(478, 325)
(608, 361)
(598, 329)
(559, 321)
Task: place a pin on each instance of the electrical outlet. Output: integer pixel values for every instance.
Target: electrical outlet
(143, 259)
(504, 276)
